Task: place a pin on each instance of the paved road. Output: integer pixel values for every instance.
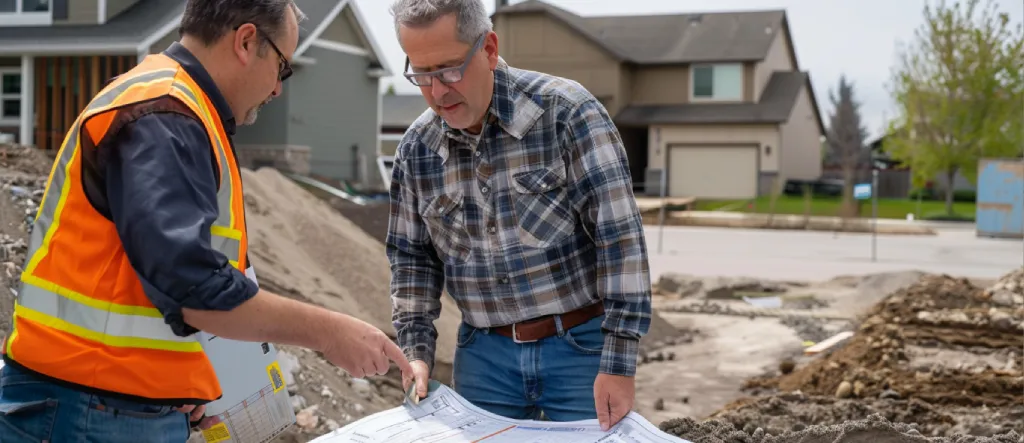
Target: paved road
(801, 255)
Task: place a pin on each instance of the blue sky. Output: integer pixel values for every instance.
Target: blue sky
(857, 38)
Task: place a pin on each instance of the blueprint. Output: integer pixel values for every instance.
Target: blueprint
(445, 416)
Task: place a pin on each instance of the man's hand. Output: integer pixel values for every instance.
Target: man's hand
(613, 396)
(420, 374)
(196, 411)
(361, 349)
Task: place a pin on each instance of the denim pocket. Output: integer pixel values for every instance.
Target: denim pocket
(30, 421)
(586, 338)
(466, 335)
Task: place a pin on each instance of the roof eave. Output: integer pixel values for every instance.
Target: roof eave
(375, 48)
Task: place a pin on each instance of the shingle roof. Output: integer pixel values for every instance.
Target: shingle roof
(400, 111)
(774, 106)
(671, 38)
(131, 27)
(128, 28)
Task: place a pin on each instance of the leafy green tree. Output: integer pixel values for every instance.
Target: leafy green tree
(846, 137)
(390, 90)
(959, 91)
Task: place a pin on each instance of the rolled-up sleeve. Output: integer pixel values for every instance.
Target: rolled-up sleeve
(604, 198)
(417, 275)
(162, 194)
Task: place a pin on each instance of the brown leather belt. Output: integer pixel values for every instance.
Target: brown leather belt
(543, 327)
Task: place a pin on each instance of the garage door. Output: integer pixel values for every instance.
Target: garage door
(713, 172)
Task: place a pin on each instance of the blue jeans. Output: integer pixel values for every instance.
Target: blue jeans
(34, 410)
(552, 378)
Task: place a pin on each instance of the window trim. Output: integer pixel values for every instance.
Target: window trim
(21, 18)
(712, 99)
(10, 71)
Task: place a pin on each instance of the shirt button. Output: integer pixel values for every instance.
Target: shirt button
(503, 280)
(484, 189)
(477, 153)
(492, 229)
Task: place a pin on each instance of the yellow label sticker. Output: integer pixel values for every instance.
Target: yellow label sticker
(216, 433)
(276, 379)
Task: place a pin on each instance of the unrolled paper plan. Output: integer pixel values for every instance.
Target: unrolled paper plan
(444, 416)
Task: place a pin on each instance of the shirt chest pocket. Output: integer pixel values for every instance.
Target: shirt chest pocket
(445, 218)
(544, 215)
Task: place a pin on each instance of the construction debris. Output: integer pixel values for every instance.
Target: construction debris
(941, 358)
(23, 172)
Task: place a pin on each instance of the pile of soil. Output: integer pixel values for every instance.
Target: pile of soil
(938, 314)
(943, 355)
(23, 173)
(302, 248)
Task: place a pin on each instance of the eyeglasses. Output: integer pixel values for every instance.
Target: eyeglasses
(284, 69)
(446, 75)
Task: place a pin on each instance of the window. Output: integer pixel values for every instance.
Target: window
(10, 95)
(717, 82)
(16, 6)
(25, 13)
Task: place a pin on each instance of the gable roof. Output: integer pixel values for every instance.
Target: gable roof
(671, 38)
(321, 13)
(773, 107)
(126, 33)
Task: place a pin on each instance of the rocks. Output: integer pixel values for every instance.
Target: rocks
(1008, 291)
(844, 390)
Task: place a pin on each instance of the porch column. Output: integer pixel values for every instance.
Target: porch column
(28, 100)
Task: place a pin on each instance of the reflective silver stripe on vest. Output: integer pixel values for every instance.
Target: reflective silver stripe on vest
(229, 244)
(110, 324)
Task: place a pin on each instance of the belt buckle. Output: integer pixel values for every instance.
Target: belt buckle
(515, 336)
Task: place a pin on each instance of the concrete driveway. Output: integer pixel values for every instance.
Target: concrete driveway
(804, 255)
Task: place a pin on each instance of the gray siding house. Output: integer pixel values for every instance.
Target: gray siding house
(55, 55)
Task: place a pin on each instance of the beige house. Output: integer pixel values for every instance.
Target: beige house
(714, 102)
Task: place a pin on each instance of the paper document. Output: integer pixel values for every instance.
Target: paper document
(255, 406)
(445, 416)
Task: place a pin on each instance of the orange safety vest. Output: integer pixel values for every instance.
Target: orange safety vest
(81, 316)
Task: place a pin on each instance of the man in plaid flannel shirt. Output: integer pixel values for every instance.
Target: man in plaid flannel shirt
(512, 191)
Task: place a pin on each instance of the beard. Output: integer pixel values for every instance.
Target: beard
(250, 117)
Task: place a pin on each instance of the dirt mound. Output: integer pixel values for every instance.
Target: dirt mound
(302, 248)
(875, 428)
(942, 354)
(23, 173)
(26, 160)
(894, 350)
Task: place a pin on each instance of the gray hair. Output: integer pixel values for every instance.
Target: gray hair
(471, 18)
(209, 20)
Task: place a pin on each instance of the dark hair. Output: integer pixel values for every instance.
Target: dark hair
(209, 20)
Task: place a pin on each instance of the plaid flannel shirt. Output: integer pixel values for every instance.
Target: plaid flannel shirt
(538, 218)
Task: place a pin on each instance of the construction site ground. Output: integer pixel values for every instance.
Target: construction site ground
(715, 367)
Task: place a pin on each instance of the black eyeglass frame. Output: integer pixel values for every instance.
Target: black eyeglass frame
(453, 73)
(284, 70)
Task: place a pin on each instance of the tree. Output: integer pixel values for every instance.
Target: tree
(390, 90)
(846, 140)
(959, 93)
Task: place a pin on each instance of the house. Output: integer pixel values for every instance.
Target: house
(399, 111)
(55, 55)
(714, 103)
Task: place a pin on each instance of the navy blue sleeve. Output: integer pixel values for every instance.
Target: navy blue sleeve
(162, 192)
